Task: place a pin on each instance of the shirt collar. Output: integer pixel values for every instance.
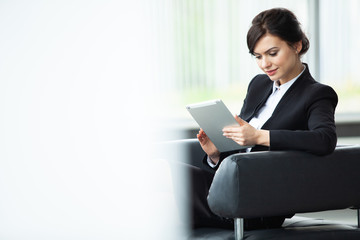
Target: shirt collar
(284, 87)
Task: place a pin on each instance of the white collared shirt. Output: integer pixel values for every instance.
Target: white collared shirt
(273, 100)
(267, 110)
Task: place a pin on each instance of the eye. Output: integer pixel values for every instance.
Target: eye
(273, 54)
(258, 57)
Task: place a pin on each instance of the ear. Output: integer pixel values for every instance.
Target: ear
(297, 46)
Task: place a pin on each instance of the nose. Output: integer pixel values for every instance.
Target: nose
(265, 63)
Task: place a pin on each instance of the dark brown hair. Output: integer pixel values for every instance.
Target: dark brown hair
(279, 22)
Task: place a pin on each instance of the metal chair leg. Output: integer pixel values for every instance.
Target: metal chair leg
(239, 228)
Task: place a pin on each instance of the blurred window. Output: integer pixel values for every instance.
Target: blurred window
(340, 51)
(205, 56)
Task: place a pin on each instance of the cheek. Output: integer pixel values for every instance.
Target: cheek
(285, 59)
(258, 62)
(281, 60)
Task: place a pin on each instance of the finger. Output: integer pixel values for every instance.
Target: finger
(200, 134)
(229, 134)
(236, 139)
(240, 121)
(227, 131)
(231, 129)
(200, 138)
(203, 133)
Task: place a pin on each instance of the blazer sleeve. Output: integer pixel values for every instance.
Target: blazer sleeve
(223, 155)
(320, 138)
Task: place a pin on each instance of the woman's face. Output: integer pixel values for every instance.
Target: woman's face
(277, 59)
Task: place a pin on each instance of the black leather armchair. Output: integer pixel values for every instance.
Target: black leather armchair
(276, 183)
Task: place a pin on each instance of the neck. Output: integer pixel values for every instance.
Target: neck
(298, 68)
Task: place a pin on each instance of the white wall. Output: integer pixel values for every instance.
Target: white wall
(76, 83)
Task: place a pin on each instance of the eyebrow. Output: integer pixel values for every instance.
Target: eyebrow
(267, 51)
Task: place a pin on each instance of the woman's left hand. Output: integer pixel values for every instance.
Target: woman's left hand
(245, 134)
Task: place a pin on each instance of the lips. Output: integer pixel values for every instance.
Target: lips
(271, 72)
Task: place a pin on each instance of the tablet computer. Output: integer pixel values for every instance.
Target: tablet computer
(212, 116)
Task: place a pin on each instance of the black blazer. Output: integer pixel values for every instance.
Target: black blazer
(302, 120)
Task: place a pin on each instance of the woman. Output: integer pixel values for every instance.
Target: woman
(284, 109)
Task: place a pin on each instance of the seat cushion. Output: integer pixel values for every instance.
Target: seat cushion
(296, 228)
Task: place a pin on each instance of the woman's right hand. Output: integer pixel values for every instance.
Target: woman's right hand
(208, 146)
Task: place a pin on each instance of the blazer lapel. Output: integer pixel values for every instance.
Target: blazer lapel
(260, 104)
(302, 81)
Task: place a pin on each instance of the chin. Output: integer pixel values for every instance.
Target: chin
(273, 78)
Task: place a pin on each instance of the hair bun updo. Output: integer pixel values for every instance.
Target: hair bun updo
(279, 22)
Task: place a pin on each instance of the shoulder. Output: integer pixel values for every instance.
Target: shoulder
(313, 91)
(317, 87)
(318, 91)
(258, 87)
(260, 80)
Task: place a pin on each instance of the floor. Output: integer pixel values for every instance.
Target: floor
(348, 216)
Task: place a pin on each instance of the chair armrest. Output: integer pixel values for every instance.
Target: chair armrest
(275, 183)
(186, 151)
